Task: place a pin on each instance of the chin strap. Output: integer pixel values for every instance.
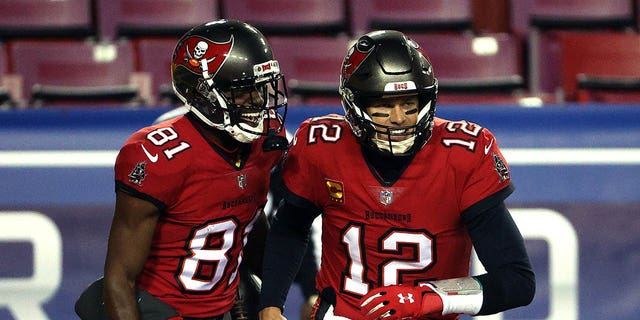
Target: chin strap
(459, 295)
(395, 147)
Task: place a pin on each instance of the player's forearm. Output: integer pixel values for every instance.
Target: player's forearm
(504, 290)
(120, 273)
(284, 250)
(509, 281)
(507, 288)
(253, 250)
(282, 259)
(120, 299)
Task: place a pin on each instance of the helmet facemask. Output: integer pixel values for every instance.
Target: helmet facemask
(242, 108)
(388, 139)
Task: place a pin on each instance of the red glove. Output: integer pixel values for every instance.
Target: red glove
(400, 302)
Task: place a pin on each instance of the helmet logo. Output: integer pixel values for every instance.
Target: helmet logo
(195, 49)
(354, 58)
(200, 49)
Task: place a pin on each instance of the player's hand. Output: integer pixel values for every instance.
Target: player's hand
(306, 309)
(399, 302)
(271, 313)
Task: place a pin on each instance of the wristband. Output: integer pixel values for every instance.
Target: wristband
(459, 295)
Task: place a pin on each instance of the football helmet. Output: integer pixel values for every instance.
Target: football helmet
(225, 73)
(384, 64)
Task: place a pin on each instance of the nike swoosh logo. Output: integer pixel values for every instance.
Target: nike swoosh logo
(153, 158)
(486, 148)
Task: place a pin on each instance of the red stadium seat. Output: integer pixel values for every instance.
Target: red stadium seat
(154, 57)
(620, 91)
(571, 14)
(138, 18)
(538, 21)
(600, 66)
(290, 17)
(410, 15)
(471, 68)
(638, 14)
(311, 66)
(8, 96)
(46, 18)
(78, 73)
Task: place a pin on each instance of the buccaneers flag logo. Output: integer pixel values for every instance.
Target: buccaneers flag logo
(354, 58)
(193, 50)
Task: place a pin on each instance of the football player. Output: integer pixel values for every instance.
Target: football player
(249, 288)
(403, 195)
(190, 191)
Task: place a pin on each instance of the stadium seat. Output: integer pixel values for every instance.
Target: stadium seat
(637, 14)
(491, 16)
(5, 98)
(78, 73)
(410, 16)
(311, 66)
(609, 90)
(600, 66)
(290, 17)
(571, 14)
(539, 20)
(154, 57)
(166, 18)
(46, 18)
(475, 68)
(10, 85)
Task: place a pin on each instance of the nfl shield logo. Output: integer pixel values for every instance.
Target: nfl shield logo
(386, 197)
(242, 181)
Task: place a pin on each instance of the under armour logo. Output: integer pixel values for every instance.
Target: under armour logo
(408, 297)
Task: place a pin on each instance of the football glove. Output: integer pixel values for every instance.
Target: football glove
(400, 302)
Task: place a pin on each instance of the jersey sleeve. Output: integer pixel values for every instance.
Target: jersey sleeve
(488, 172)
(299, 171)
(142, 171)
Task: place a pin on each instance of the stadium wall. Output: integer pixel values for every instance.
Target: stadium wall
(575, 167)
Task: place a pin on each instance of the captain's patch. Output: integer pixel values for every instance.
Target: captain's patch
(336, 190)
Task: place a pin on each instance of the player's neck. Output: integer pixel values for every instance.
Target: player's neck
(389, 168)
(221, 139)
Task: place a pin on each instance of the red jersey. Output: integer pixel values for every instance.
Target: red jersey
(378, 234)
(209, 206)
